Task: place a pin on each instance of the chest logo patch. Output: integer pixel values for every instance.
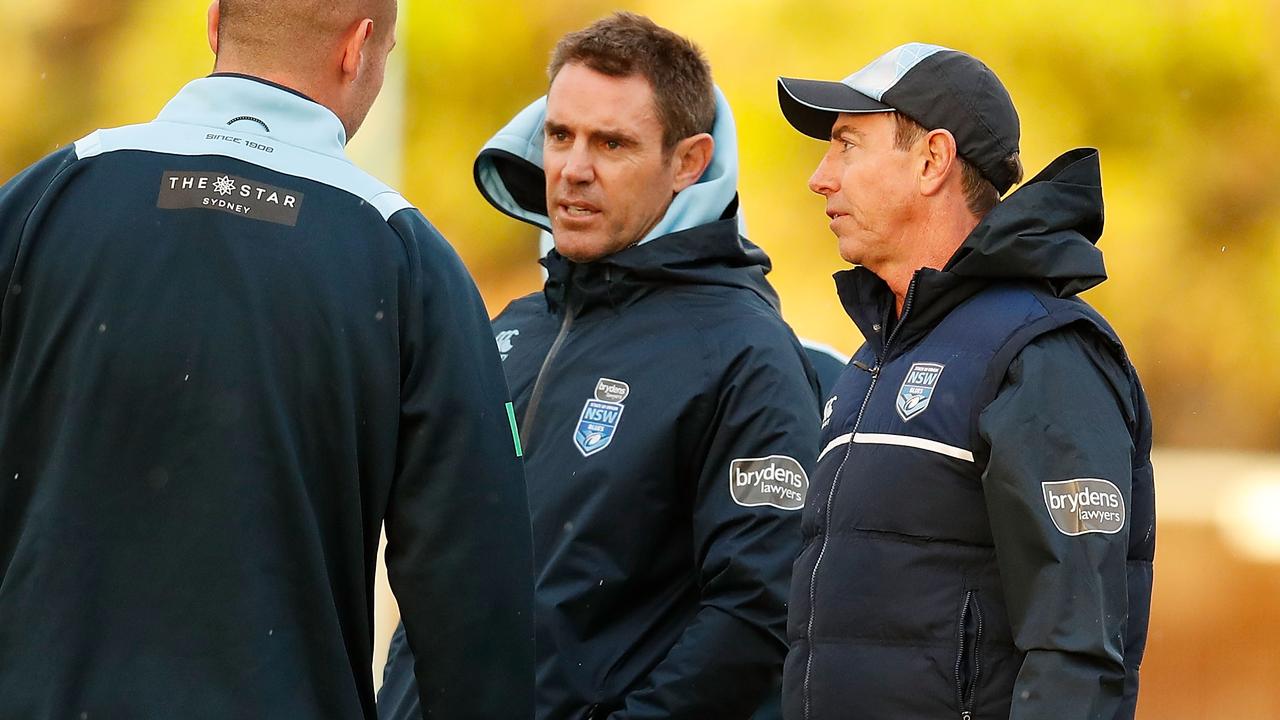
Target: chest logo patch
(505, 339)
(828, 409)
(777, 481)
(917, 389)
(1084, 505)
(600, 417)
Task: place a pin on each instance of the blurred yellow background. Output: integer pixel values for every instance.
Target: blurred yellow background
(1181, 97)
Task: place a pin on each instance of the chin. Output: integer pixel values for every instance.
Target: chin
(579, 247)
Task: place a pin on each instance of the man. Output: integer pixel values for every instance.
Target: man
(980, 537)
(665, 407)
(226, 357)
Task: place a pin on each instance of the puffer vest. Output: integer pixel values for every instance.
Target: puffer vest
(897, 611)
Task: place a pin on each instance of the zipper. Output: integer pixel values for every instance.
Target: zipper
(967, 688)
(835, 484)
(535, 397)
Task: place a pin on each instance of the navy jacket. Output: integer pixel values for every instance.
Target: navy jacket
(980, 537)
(227, 356)
(666, 410)
(670, 421)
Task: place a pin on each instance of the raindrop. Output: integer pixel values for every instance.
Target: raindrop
(17, 289)
(1224, 248)
(272, 631)
(102, 327)
(379, 315)
(186, 378)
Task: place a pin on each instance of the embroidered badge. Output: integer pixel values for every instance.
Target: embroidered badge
(917, 389)
(600, 416)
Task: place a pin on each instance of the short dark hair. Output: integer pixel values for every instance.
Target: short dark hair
(625, 44)
(980, 194)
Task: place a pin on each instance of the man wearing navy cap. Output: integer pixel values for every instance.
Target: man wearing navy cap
(980, 533)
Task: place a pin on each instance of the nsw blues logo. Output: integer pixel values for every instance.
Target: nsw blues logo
(917, 389)
(600, 417)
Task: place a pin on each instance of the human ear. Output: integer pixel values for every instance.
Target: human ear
(938, 153)
(215, 12)
(353, 46)
(692, 156)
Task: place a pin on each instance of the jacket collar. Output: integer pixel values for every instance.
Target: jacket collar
(1044, 235)
(257, 107)
(709, 255)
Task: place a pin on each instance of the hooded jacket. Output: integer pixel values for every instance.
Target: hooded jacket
(981, 530)
(669, 421)
(227, 356)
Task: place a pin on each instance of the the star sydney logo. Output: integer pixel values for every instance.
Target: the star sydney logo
(917, 389)
(250, 199)
(600, 417)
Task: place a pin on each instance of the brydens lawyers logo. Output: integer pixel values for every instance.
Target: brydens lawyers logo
(917, 389)
(1085, 505)
(777, 481)
(600, 416)
(229, 194)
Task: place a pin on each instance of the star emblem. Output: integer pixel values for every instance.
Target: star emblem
(224, 185)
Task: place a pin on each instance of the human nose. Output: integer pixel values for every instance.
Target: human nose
(823, 180)
(578, 168)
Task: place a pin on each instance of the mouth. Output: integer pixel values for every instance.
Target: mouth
(577, 209)
(834, 215)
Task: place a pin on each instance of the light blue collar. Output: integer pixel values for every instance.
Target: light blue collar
(253, 107)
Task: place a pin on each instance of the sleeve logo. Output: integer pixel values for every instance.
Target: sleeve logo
(777, 481)
(1085, 505)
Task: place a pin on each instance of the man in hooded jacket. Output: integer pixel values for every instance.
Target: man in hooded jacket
(980, 537)
(668, 416)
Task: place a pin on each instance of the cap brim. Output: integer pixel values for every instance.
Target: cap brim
(811, 106)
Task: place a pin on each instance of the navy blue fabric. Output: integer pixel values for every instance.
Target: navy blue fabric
(911, 598)
(658, 595)
(205, 420)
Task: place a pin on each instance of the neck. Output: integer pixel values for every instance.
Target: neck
(931, 245)
(298, 83)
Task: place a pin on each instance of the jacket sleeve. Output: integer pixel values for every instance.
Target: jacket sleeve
(18, 200)
(729, 656)
(1059, 417)
(459, 555)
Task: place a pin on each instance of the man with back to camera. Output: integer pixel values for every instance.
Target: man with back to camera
(667, 411)
(226, 357)
(980, 538)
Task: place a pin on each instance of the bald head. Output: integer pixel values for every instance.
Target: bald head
(295, 35)
(334, 51)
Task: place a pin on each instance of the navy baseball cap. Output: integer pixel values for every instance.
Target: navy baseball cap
(935, 86)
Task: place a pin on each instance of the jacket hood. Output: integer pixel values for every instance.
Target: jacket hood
(1044, 233)
(509, 173)
(711, 254)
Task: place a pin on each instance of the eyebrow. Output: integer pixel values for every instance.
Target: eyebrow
(846, 129)
(606, 134)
